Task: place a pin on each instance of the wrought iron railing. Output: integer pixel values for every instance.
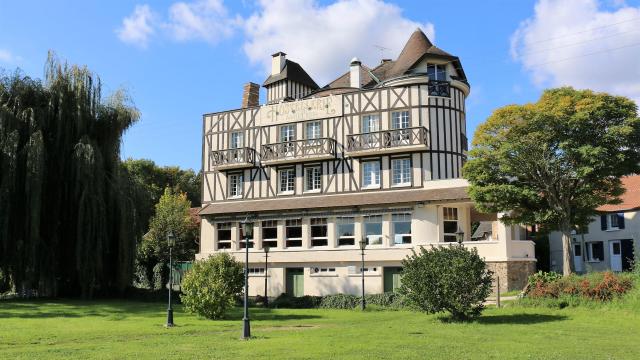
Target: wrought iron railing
(298, 149)
(244, 155)
(438, 88)
(386, 139)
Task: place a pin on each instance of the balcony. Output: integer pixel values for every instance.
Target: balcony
(233, 158)
(439, 88)
(298, 150)
(388, 141)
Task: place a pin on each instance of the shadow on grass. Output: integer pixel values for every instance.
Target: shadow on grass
(513, 319)
(267, 314)
(111, 309)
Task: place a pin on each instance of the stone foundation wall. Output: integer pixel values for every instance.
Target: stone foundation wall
(513, 274)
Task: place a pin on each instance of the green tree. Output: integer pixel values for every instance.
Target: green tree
(171, 215)
(212, 286)
(68, 222)
(450, 278)
(555, 161)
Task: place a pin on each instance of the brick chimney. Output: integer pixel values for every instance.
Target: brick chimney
(250, 95)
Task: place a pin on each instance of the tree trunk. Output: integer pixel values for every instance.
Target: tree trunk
(566, 250)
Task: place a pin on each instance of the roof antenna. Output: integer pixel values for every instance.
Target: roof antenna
(382, 49)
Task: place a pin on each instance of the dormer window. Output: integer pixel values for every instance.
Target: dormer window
(437, 72)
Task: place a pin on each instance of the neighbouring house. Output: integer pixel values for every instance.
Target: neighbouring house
(375, 154)
(610, 240)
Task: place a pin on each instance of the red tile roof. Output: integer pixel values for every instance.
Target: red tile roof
(631, 197)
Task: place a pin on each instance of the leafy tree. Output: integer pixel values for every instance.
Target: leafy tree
(555, 161)
(212, 286)
(450, 278)
(171, 215)
(68, 222)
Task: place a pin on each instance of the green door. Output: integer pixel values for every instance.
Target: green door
(295, 282)
(392, 277)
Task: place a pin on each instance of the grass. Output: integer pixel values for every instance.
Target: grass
(119, 329)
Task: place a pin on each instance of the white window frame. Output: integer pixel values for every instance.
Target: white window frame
(400, 120)
(401, 175)
(345, 220)
(288, 185)
(319, 221)
(236, 140)
(610, 221)
(448, 215)
(398, 238)
(371, 177)
(224, 226)
(373, 239)
(368, 121)
(313, 130)
(313, 177)
(439, 69)
(236, 184)
(256, 271)
(269, 224)
(323, 271)
(293, 223)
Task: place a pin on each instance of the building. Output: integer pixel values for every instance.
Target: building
(375, 154)
(611, 238)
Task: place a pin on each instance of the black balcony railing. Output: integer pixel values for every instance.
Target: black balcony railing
(298, 149)
(386, 139)
(438, 88)
(240, 156)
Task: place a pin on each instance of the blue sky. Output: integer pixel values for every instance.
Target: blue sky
(180, 59)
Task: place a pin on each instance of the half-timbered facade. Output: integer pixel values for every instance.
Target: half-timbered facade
(375, 154)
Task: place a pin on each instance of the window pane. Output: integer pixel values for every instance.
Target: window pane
(401, 169)
(371, 173)
(270, 233)
(450, 227)
(400, 119)
(598, 250)
(313, 130)
(294, 232)
(224, 234)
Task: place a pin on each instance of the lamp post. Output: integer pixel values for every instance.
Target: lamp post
(247, 230)
(363, 245)
(266, 271)
(460, 236)
(170, 241)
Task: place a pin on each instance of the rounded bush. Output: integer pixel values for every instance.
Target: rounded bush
(211, 287)
(450, 278)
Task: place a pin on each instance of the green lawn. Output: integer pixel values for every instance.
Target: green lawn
(117, 330)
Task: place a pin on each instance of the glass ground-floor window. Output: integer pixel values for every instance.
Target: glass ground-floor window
(293, 232)
(345, 227)
(270, 233)
(224, 235)
(373, 229)
(401, 227)
(450, 223)
(319, 232)
(594, 251)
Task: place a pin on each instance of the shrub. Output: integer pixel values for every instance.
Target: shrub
(601, 287)
(290, 302)
(451, 279)
(211, 287)
(340, 301)
(544, 277)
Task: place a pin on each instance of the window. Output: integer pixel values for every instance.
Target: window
(437, 72)
(401, 171)
(400, 119)
(345, 226)
(450, 223)
(371, 124)
(242, 240)
(293, 231)
(368, 270)
(323, 271)
(373, 229)
(371, 174)
(613, 221)
(270, 233)
(313, 130)
(595, 251)
(401, 227)
(312, 178)
(287, 180)
(224, 235)
(235, 185)
(256, 271)
(319, 232)
(287, 136)
(236, 141)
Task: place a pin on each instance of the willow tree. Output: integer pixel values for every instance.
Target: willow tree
(554, 162)
(67, 205)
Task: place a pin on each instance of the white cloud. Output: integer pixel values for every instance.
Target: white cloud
(582, 44)
(206, 20)
(138, 27)
(323, 39)
(8, 57)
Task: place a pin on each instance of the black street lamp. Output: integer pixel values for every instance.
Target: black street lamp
(363, 245)
(247, 231)
(460, 236)
(266, 272)
(171, 239)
